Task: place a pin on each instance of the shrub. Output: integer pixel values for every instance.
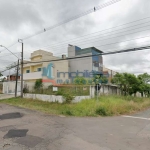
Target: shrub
(38, 84)
(102, 111)
(68, 97)
(68, 112)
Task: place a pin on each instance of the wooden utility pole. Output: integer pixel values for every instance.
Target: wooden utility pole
(16, 79)
(22, 72)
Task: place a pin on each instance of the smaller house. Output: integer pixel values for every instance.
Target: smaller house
(2, 78)
(12, 77)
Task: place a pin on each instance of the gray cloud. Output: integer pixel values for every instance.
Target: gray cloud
(22, 18)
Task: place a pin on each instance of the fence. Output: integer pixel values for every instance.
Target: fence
(1, 87)
(9, 87)
(105, 89)
(75, 90)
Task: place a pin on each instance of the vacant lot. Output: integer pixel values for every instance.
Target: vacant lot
(104, 106)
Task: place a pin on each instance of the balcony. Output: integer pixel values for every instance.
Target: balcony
(32, 75)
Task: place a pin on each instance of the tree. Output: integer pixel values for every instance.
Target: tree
(129, 83)
(1, 74)
(99, 79)
(80, 80)
(144, 77)
(145, 84)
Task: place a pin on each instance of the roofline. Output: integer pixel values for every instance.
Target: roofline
(93, 48)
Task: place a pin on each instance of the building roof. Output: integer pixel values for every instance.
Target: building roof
(13, 75)
(87, 50)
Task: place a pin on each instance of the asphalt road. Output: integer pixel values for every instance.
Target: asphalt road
(23, 129)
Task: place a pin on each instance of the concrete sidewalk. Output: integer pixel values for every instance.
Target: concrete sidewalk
(23, 129)
(6, 96)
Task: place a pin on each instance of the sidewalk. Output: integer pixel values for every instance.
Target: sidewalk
(6, 96)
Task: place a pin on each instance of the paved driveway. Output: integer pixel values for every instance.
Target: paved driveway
(23, 129)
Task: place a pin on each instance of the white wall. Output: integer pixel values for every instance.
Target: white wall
(32, 75)
(54, 98)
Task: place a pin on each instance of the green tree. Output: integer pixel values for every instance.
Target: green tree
(80, 80)
(129, 83)
(1, 74)
(99, 79)
(145, 84)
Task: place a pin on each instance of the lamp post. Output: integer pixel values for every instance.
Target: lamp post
(9, 69)
(9, 51)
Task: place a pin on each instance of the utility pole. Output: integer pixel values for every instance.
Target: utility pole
(17, 79)
(21, 41)
(22, 72)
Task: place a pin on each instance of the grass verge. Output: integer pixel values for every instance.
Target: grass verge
(104, 106)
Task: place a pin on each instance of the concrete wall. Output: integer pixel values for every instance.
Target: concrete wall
(105, 90)
(9, 87)
(54, 98)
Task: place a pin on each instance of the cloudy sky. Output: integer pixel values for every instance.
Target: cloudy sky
(123, 25)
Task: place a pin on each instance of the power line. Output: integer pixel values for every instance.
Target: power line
(74, 18)
(9, 51)
(106, 38)
(107, 53)
(114, 43)
(123, 41)
(8, 69)
(72, 40)
(9, 54)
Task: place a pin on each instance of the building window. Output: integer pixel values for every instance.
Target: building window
(27, 71)
(39, 69)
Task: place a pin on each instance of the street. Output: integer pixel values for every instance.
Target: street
(23, 129)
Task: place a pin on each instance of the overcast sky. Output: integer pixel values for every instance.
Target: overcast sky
(22, 18)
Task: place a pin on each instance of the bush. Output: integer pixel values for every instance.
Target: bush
(102, 111)
(68, 112)
(68, 97)
(38, 84)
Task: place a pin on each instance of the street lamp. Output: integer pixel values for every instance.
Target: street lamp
(17, 68)
(9, 51)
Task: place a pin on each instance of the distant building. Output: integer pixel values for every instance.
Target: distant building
(108, 73)
(42, 66)
(83, 63)
(12, 77)
(55, 70)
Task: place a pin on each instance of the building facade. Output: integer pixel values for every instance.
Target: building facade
(108, 73)
(54, 70)
(44, 65)
(86, 60)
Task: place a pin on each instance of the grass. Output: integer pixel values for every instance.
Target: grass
(104, 106)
